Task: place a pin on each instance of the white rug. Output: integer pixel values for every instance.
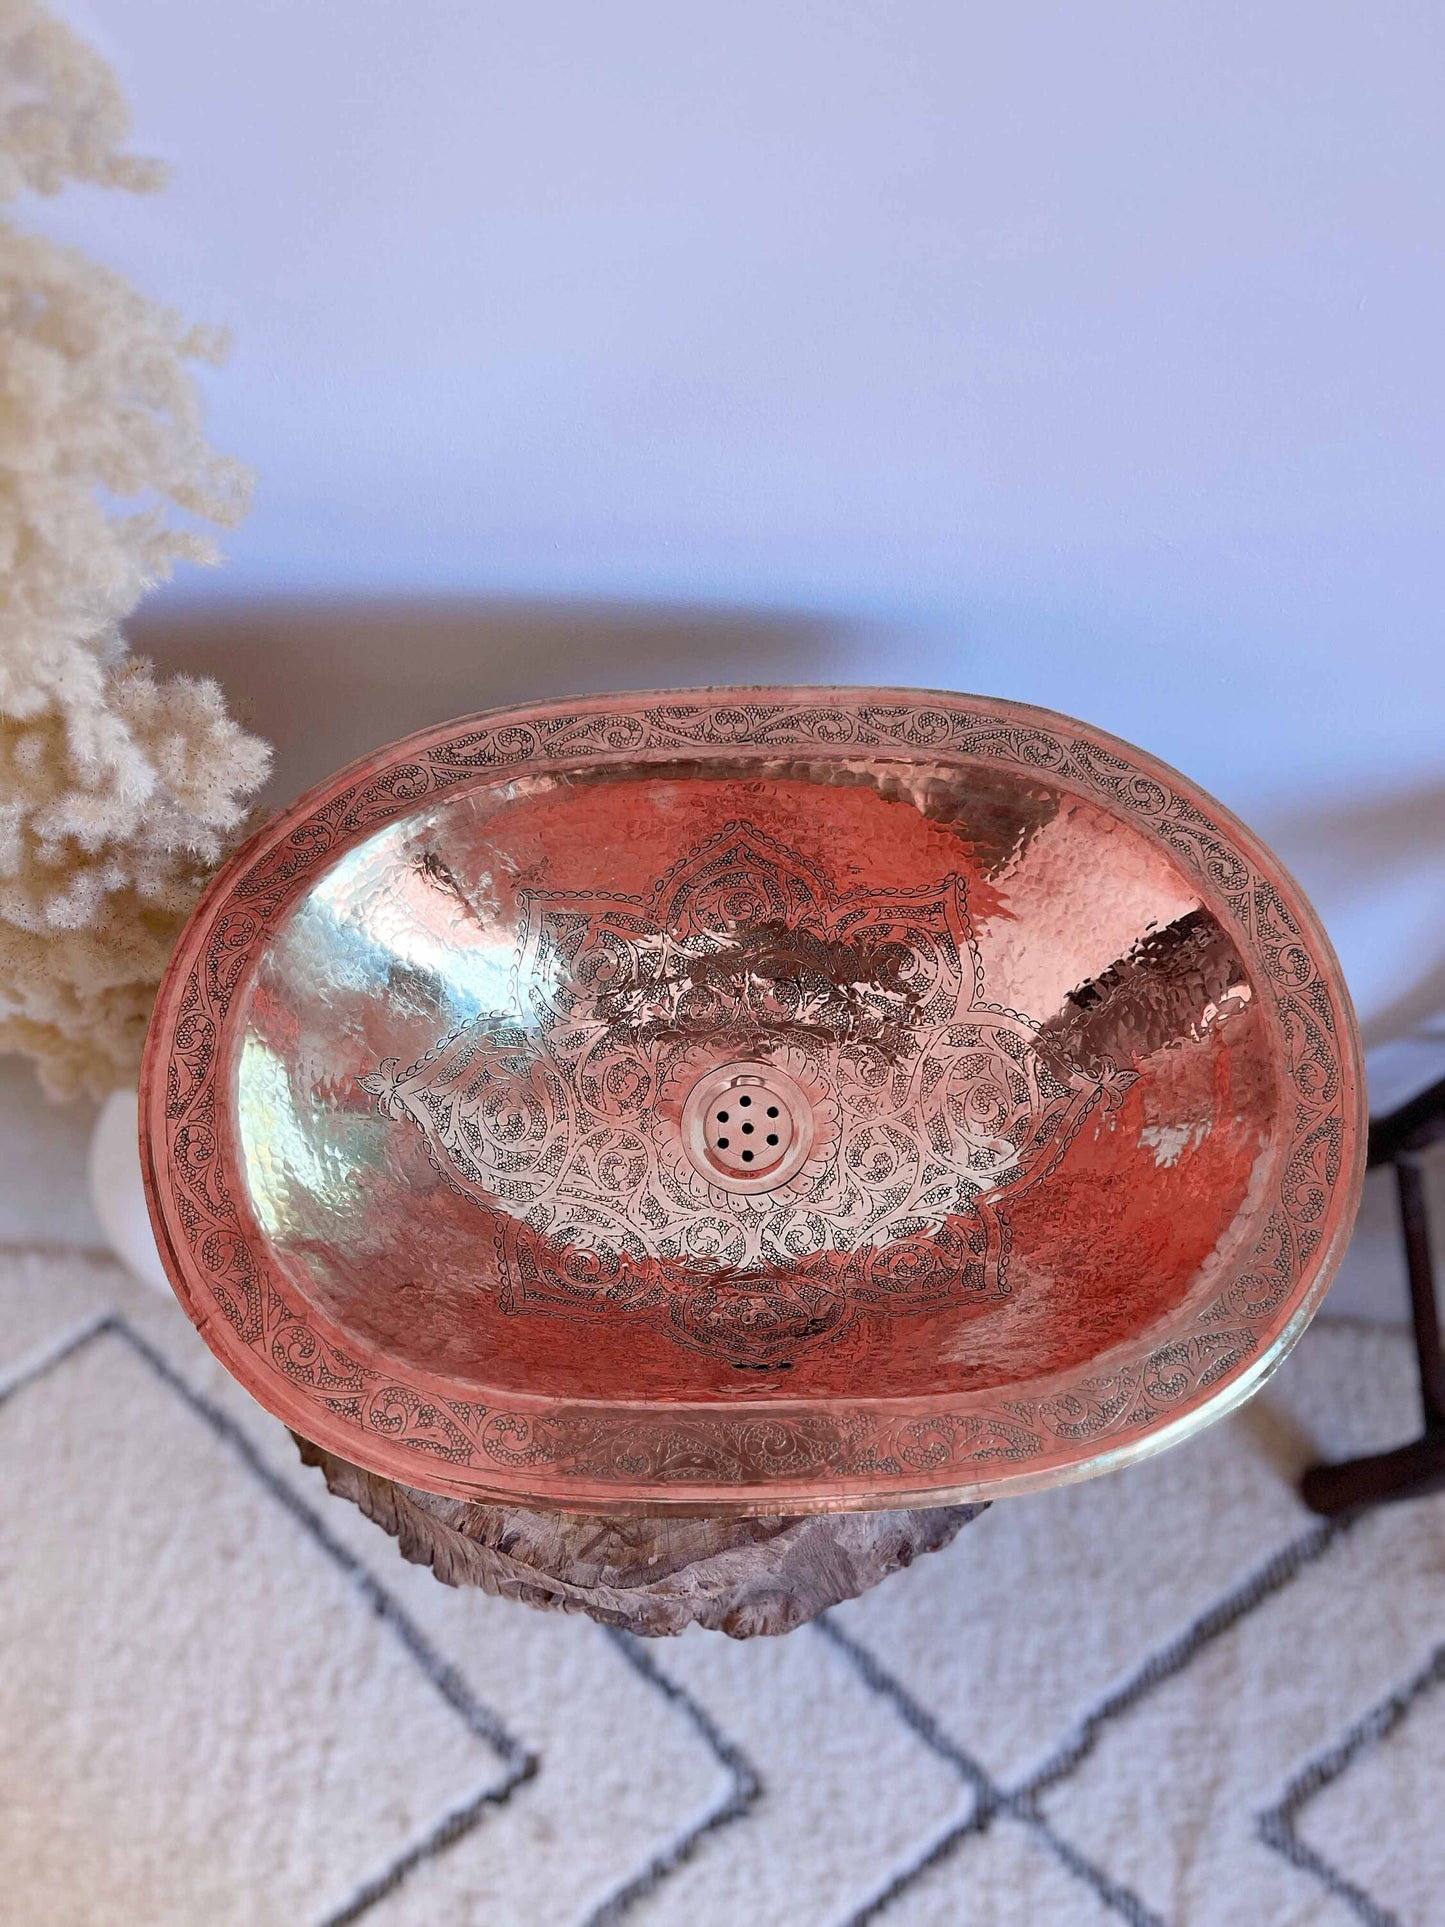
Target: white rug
(1167, 1696)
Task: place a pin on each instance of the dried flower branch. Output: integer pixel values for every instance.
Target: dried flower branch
(118, 790)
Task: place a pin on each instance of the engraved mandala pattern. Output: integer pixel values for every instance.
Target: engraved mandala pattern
(930, 1104)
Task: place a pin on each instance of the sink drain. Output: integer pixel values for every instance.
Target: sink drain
(747, 1126)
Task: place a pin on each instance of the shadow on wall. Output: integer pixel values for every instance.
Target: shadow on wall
(327, 681)
(1375, 867)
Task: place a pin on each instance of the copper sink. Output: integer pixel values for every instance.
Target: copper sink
(752, 1101)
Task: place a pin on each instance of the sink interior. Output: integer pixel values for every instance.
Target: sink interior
(1025, 1095)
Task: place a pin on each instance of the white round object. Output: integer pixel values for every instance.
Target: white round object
(116, 1191)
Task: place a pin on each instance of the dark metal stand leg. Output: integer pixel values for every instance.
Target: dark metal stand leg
(1410, 1471)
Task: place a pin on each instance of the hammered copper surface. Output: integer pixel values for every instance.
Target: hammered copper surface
(754, 1100)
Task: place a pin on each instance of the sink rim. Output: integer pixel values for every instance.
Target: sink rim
(739, 1456)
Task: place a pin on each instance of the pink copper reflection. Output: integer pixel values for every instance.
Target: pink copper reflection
(754, 1101)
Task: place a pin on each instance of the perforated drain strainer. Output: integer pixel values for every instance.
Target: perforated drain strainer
(747, 1127)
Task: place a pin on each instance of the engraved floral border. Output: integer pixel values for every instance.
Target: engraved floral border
(566, 1452)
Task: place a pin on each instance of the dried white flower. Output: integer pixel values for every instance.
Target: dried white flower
(118, 791)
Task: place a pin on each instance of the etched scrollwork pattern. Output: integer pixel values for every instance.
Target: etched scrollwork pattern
(930, 1105)
(260, 1325)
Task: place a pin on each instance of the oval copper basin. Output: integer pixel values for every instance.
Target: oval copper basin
(754, 1101)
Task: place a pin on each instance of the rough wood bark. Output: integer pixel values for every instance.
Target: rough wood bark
(651, 1576)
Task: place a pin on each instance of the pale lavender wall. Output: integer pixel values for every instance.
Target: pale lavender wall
(1088, 354)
